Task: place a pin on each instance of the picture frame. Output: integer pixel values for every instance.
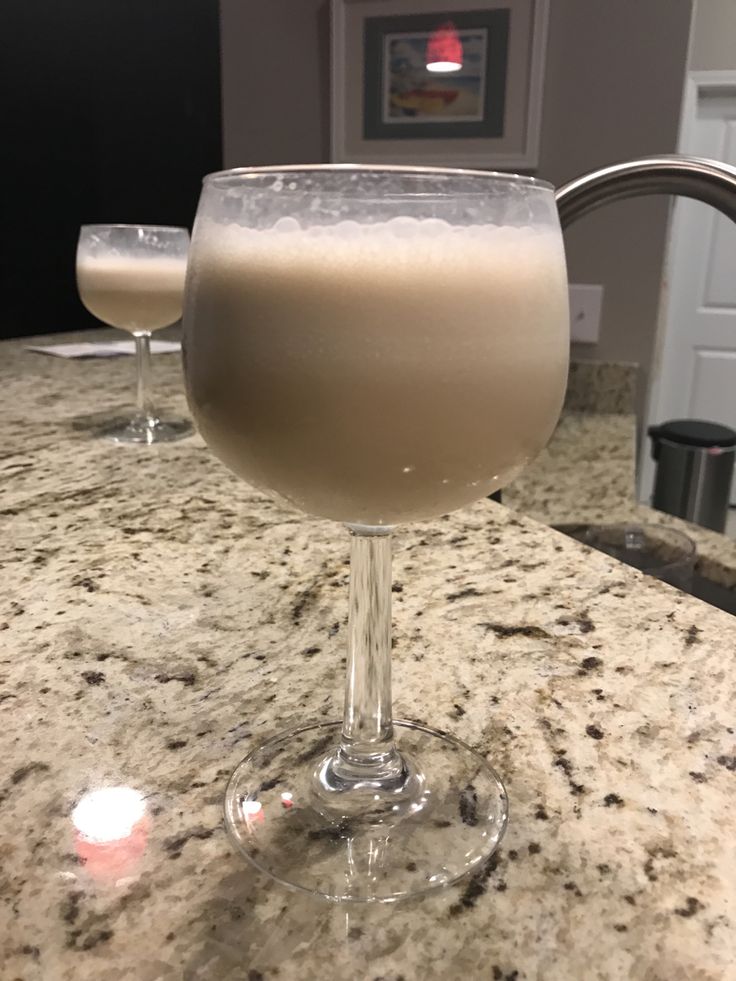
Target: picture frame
(392, 102)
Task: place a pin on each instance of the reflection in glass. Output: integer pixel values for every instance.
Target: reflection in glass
(444, 50)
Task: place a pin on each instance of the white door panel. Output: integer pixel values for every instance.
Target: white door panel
(697, 374)
(714, 372)
(720, 290)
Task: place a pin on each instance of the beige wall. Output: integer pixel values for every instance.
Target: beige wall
(613, 87)
(714, 36)
(275, 81)
(613, 90)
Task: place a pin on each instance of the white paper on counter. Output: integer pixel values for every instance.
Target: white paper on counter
(107, 349)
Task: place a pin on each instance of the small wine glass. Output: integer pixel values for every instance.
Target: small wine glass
(373, 345)
(132, 277)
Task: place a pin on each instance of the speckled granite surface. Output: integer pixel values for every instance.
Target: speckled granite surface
(159, 616)
(589, 463)
(602, 386)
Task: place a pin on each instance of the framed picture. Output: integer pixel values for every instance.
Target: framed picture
(448, 82)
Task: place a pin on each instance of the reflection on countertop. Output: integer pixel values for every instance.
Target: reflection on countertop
(159, 617)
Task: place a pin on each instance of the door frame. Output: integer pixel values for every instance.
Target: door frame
(697, 83)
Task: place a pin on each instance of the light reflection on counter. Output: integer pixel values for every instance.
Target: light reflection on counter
(111, 830)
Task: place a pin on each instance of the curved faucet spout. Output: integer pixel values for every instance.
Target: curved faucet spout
(705, 180)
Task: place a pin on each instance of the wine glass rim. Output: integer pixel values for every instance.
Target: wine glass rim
(333, 168)
(121, 224)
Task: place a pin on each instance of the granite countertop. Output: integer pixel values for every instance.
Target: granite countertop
(159, 616)
(588, 465)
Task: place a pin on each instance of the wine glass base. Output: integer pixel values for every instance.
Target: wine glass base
(458, 822)
(148, 430)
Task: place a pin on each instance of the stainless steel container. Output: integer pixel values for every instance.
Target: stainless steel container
(695, 462)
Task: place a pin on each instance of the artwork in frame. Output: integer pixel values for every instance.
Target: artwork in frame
(444, 82)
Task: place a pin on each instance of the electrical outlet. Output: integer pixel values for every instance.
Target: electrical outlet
(585, 313)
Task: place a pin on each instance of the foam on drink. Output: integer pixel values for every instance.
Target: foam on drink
(130, 292)
(376, 373)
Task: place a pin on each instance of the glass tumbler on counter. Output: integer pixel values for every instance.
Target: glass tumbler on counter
(374, 346)
(132, 277)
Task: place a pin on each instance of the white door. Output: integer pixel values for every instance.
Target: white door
(697, 366)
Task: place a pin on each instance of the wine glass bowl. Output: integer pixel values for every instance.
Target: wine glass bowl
(375, 346)
(132, 277)
(369, 365)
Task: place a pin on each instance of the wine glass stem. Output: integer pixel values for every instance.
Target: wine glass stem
(144, 403)
(367, 732)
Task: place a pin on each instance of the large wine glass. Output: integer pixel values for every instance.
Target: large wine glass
(132, 277)
(375, 346)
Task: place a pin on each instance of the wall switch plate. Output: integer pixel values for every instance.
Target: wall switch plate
(585, 313)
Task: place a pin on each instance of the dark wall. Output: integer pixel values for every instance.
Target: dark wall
(111, 112)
